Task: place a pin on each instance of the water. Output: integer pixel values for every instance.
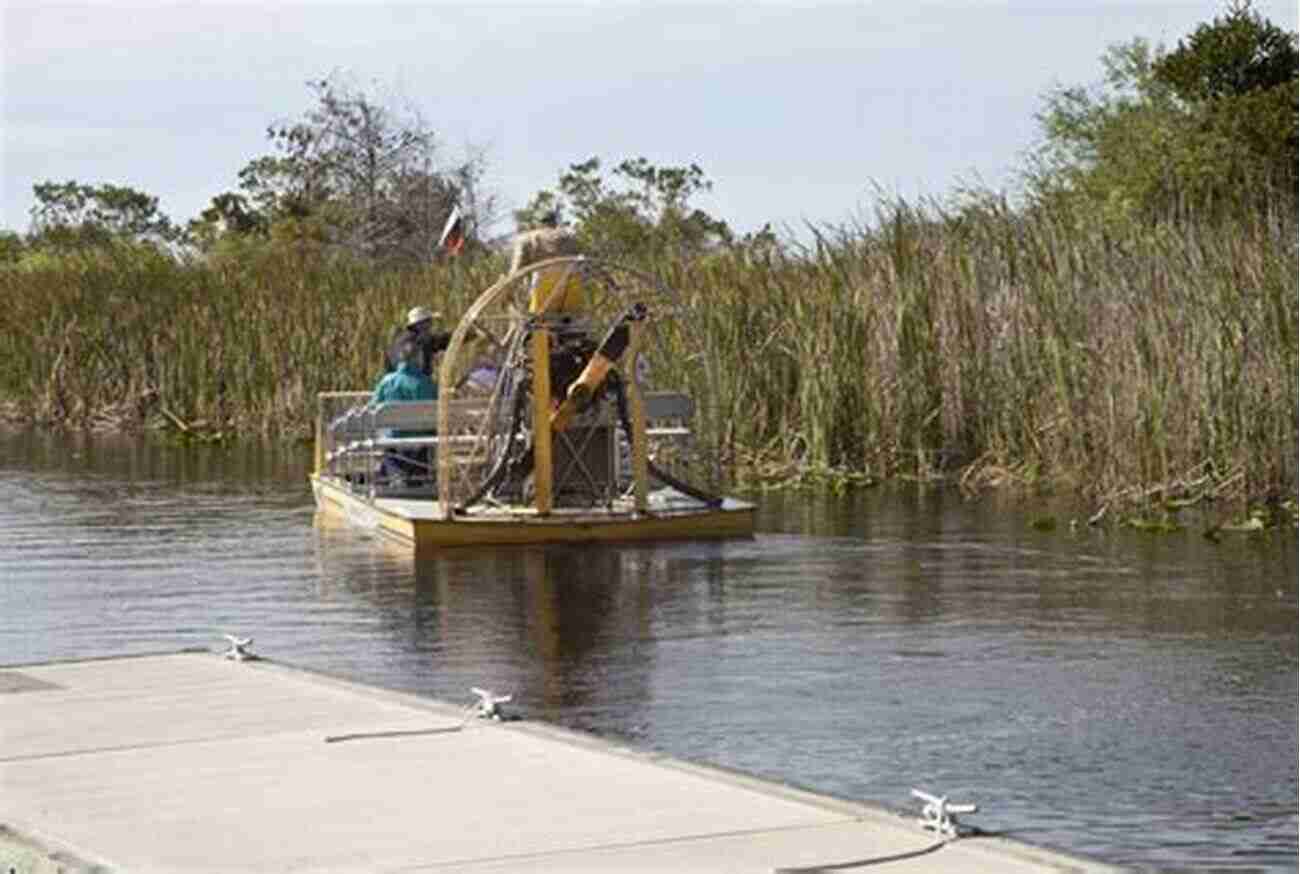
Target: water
(1122, 696)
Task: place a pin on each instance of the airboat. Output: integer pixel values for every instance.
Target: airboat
(575, 404)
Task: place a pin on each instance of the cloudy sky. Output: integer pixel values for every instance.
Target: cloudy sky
(797, 111)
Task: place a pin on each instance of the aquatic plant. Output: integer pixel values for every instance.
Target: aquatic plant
(1123, 362)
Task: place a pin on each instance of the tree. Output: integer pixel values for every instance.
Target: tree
(645, 210)
(1234, 55)
(1209, 126)
(11, 247)
(71, 214)
(359, 175)
(1238, 74)
(230, 216)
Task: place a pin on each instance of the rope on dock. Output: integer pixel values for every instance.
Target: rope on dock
(411, 732)
(488, 706)
(938, 815)
(862, 863)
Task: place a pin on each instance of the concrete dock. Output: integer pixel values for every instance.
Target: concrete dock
(190, 762)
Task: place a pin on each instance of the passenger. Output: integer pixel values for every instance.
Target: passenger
(418, 330)
(482, 376)
(408, 382)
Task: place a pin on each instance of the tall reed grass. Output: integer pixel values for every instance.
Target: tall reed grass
(981, 341)
(1033, 346)
(114, 337)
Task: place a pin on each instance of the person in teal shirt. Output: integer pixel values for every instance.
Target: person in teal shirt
(408, 382)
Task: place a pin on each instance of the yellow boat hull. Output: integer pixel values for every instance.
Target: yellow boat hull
(421, 523)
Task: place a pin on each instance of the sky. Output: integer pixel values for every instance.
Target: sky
(800, 113)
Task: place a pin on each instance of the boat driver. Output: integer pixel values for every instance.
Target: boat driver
(549, 240)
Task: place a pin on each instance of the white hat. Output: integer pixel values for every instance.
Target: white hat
(419, 314)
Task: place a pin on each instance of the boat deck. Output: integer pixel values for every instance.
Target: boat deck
(420, 521)
(426, 509)
(189, 762)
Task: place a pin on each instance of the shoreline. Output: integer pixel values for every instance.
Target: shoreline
(1152, 507)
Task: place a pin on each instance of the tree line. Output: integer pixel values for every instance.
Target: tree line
(1208, 126)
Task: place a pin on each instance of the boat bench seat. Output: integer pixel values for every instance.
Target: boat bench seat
(660, 407)
(370, 429)
(367, 427)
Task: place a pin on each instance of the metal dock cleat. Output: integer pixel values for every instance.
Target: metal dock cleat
(488, 706)
(941, 815)
(239, 648)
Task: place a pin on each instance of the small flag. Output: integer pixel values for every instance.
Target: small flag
(453, 232)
